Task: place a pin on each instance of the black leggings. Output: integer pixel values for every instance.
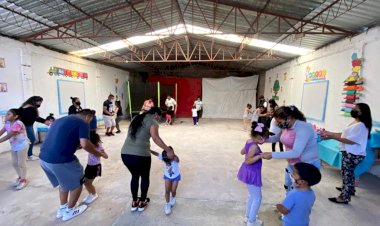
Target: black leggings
(139, 166)
(279, 144)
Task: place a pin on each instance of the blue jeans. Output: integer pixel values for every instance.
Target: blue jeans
(32, 138)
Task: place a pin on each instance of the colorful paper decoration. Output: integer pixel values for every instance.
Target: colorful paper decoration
(352, 86)
(67, 73)
(312, 76)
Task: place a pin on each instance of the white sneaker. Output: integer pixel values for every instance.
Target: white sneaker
(168, 208)
(60, 211)
(256, 223)
(90, 198)
(172, 201)
(73, 212)
(246, 219)
(32, 158)
(17, 182)
(22, 185)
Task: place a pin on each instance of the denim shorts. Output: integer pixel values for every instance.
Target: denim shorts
(68, 176)
(178, 178)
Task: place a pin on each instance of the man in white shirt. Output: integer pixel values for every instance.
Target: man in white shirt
(198, 105)
(171, 105)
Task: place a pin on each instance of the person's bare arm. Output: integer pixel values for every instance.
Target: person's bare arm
(282, 209)
(326, 135)
(176, 158)
(2, 131)
(157, 140)
(251, 158)
(242, 151)
(106, 111)
(8, 136)
(90, 148)
(154, 153)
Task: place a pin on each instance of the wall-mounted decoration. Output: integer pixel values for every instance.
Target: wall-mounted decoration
(3, 87)
(276, 88)
(2, 62)
(67, 73)
(352, 86)
(312, 76)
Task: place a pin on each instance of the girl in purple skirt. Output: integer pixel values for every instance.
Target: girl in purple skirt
(250, 171)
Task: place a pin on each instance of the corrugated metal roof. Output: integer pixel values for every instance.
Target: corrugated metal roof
(22, 18)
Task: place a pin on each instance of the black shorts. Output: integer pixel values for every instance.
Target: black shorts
(93, 171)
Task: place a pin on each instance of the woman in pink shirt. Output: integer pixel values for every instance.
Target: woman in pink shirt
(299, 138)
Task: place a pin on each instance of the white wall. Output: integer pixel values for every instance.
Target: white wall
(26, 74)
(336, 59)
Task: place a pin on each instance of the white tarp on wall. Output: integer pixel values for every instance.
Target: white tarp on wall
(227, 97)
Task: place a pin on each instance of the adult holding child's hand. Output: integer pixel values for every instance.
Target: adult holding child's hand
(353, 143)
(299, 138)
(135, 153)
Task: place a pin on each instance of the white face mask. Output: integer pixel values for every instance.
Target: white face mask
(294, 181)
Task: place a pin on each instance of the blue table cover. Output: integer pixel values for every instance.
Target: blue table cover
(329, 152)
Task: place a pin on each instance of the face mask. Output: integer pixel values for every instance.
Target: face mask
(294, 181)
(284, 125)
(354, 113)
(77, 103)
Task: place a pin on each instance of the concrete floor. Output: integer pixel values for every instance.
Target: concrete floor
(209, 193)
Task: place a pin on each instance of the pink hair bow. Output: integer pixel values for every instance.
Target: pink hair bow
(259, 127)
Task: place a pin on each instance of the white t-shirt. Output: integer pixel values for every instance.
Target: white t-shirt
(198, 105)
(170, 103)
(255, 116)
(274, 127)
(357, 133)
(171, 171)
(195, 112)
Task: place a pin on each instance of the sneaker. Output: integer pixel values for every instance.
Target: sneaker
(22, 184)
(60, 211)
(108, 134)
(73, 212)
(134, 206)
(118, 131)
(246, 219)
(15, 184)
(168, 208)
(143, 205)
(112, 134)
(172, 201)
(32, 158)
(256, 223)
(90, 198)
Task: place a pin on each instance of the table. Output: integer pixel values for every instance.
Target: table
(329, 152)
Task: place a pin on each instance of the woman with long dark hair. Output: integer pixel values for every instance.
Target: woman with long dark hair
(353, 146)
(28, 115)
(75, 107)
(299, 138)
(135, 153)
